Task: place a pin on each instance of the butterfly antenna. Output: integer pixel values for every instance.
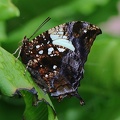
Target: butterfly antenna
(46, 20)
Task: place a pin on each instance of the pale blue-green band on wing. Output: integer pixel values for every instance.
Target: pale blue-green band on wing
(64, 43)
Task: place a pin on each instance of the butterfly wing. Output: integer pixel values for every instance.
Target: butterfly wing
(56, 58)
(43, 59)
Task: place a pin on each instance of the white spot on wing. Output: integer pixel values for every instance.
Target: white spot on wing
(48, 42)
(40, 52)
(50, 50)
(85, 31)
(54, 66)
(51, 55)
(46, 75)
(61, 49)
(40, 65)
(37, 55)
(37, 46)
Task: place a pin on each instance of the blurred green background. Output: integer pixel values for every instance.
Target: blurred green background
(100, 87)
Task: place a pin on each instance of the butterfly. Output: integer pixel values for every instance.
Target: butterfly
(56, 58)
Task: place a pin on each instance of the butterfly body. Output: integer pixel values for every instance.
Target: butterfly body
(55, 58)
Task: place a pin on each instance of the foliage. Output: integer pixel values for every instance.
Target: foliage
(101, 84)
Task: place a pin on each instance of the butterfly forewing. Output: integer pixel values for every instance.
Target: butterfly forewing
(56, 57)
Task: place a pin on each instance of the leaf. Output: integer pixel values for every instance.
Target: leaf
(13, 81)
(12, 74)
(37, 111)
(3, 35)
(7, 10)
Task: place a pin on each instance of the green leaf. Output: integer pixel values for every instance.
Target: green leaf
(37, 111)
(12, 75)
(7, 10)
(13, 81)
(3, 35)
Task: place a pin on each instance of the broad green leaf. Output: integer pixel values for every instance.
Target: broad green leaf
(12, 75)
(13, 81)
(7, 10)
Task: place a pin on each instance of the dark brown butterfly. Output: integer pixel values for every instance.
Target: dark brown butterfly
(55, 58)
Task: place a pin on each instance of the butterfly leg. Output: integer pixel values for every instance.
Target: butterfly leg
(28, 64)
(18, 49)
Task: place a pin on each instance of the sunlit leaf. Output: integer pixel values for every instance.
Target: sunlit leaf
(13, 80)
